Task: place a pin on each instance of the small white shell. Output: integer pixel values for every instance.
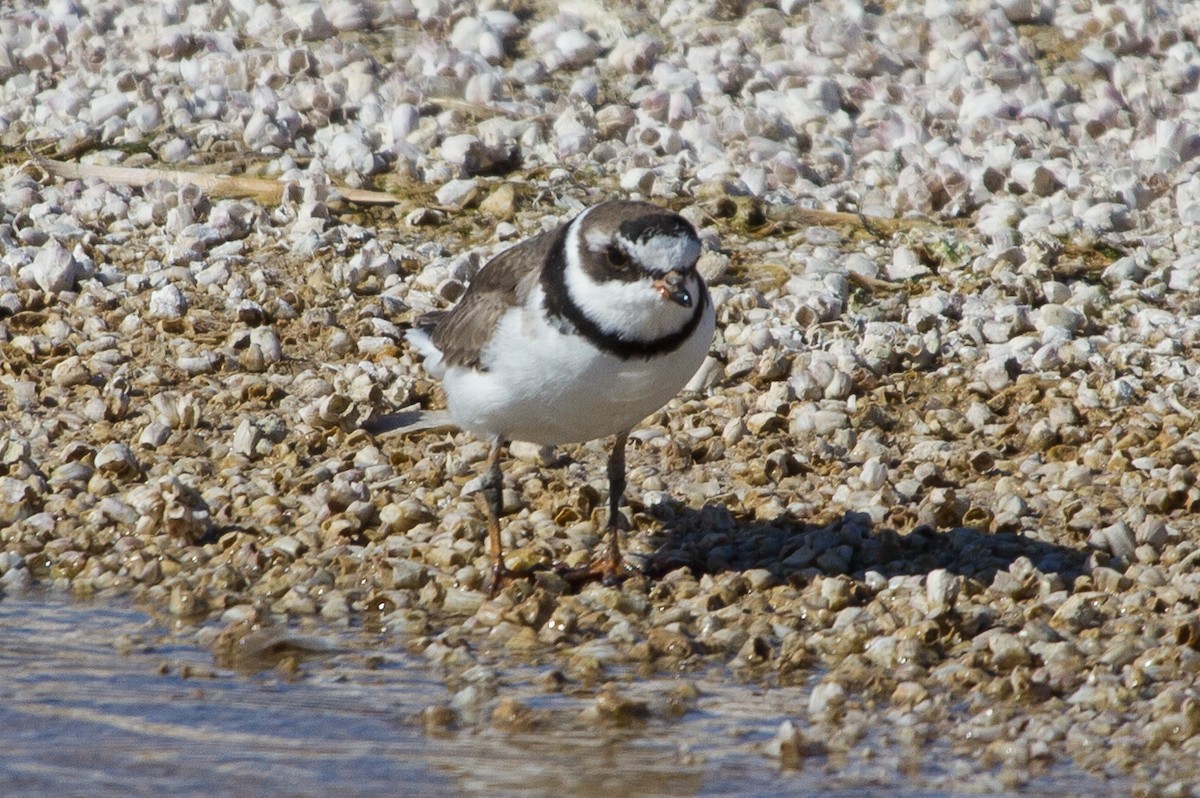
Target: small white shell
(475, 35)
(167, 302)
(482, 89)
(572, 48)
(311, 21)
(117, 459)
(348, 153)
(154, 435)
(349, 15)
(53, 270)
(458, 193)
(268, 343)
(108, 106)
(245, 438)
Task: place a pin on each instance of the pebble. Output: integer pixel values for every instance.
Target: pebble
(458, 193)
(54, 269)
(69, 372)
(167, 302)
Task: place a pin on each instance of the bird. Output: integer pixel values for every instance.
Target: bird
(574, 334)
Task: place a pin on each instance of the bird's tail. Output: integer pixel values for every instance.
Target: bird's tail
(410, 420)
(420, 337)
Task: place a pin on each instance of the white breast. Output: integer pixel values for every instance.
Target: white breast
(547, 387)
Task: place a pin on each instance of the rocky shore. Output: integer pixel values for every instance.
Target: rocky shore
(939, 471)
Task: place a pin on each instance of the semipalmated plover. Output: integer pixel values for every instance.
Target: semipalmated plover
(577, 333)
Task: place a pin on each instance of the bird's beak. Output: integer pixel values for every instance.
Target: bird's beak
(671, 286)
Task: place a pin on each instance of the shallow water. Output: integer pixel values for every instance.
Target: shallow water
(101, 699)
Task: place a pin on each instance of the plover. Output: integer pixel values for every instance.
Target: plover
(577, 333)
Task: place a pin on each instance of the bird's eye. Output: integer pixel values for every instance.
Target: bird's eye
(617, 256)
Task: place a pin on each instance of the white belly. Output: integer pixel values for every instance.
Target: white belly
(549, 388)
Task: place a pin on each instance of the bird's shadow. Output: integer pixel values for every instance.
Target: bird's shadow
(712, 540)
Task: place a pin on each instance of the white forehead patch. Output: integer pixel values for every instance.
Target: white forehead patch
(663, 253)
(658, 254)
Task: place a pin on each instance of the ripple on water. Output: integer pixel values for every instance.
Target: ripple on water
(104, 695)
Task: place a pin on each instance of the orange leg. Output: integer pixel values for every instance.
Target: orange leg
(493, 494)
(609, 567)
(616, 492)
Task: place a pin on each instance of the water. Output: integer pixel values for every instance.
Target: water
(76, 712)
(77, 715)
(101, 699)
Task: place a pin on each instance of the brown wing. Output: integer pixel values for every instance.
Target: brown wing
(506, 280)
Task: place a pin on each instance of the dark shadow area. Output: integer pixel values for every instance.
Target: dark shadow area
(712, 540)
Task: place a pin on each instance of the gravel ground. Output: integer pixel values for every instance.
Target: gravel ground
(939, 471)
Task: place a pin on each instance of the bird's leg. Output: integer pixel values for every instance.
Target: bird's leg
(493, 494)
(610, 566)
(616, 492)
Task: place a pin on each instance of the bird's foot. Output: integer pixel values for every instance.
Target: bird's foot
(503, 576)
(603, 570)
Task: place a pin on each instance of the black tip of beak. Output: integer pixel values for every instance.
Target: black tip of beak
(672, 287)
